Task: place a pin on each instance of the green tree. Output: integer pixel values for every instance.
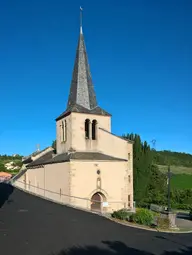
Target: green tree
(54, 144)
(149, 182)
(142, 160)
(157, 187)
(2, 167)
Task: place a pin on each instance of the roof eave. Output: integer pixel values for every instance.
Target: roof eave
(63, 115)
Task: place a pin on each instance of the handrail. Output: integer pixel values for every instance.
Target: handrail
(61, 194)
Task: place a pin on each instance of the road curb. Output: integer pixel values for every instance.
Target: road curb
(147, 229)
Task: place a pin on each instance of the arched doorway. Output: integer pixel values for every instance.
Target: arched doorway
(96, 201)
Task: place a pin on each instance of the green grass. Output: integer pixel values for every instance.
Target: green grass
(176, 169)
(181, 181)
(182, 178)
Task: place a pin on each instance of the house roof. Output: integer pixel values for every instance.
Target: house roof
(49, 158)
(41, 160)
(4, 174)
(28, 159)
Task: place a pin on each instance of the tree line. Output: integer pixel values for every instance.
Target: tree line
(174, 158)
(150, 185)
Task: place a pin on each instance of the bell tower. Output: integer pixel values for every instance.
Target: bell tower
(82, 100)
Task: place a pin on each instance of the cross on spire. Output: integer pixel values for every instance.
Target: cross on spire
(81, 20)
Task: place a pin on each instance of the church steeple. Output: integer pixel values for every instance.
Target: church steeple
(82, 91)
(82, 97)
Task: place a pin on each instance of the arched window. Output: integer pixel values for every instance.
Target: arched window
(62, 132)
(129, 200)
(98, 183)
(94, 129)
(87, 130)
(65, 131)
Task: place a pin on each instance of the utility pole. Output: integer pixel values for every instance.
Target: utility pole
(38, 147)
(169, 188)
(153, 144)
(170, 214)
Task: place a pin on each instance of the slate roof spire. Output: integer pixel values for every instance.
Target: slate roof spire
(82, 91)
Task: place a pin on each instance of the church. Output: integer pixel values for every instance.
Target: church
(91, 168)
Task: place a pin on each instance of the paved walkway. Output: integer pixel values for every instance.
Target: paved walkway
(33, 226)
(183, 221)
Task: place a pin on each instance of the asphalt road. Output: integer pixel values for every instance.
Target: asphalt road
(33, 226)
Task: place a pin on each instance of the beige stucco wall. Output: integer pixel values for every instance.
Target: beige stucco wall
(77, 180)
(57, 179)
(114, 183)
(35, 180)
(20, 183)
(76, 132)
(113, 145)
(64, 146)
(105, 142)
(51, 181)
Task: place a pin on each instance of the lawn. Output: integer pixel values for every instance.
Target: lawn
(181, 181)
(176, 169)
(181, 178)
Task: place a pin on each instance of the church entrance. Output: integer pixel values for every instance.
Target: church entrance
(96, 202)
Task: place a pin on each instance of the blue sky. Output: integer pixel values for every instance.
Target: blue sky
(140, 56)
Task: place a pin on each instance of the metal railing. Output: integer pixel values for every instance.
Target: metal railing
(73, 201)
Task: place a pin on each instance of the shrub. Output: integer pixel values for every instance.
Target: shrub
(182, 206)
(143, 205)
(121, 214)
(163, 223)
(143, 217)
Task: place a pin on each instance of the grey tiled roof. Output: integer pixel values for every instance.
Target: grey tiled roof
(41, 160)
(66, 157)
(94, 156)
(78, 108)
(27, 159)
(82, 97)
(82, 90)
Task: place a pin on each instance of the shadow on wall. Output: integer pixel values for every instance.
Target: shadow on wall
(113, 248)
(5, 191)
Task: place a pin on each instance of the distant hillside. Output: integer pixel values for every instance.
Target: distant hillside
(17, 163)
(173, 158)
(176, 169)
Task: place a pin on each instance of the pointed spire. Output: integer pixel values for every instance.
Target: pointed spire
(82, 91)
